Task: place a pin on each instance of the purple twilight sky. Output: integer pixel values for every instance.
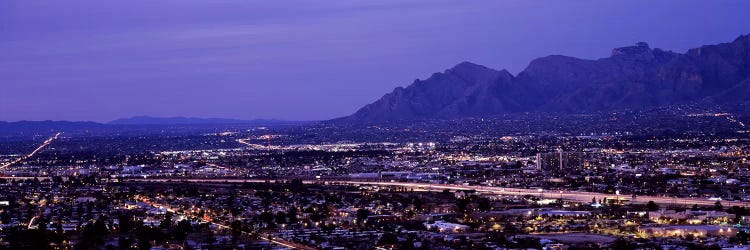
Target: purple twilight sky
(302, 60)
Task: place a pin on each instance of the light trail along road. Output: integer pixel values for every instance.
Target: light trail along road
(22, 158)
(262, 236)
(577, 196)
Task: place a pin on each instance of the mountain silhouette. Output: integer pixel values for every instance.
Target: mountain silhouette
(631, 77)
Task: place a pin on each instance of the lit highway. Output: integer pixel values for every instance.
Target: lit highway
(22, 158)
(578, 196)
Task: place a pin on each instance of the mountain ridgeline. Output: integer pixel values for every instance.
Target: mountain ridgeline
(632, 77)
(148, 120)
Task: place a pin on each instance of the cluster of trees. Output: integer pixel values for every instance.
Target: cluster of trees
(134, 231)
(482, 204)
(97, 234)
(290, 217)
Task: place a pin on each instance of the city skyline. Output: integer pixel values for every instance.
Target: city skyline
(374, 124)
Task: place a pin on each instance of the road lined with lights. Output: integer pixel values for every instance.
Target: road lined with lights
(578, 196)
(22, 158)
(262, 236)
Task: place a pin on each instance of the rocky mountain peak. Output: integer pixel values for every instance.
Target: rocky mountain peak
(640, 51)
(633, 77)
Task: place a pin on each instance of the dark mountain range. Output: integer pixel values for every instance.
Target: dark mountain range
(148, 120)
(632, 77)
(45, 128)
(138, 125)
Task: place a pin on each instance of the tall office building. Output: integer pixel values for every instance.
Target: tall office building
(559, 161)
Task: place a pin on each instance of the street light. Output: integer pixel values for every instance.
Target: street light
(617, 195)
